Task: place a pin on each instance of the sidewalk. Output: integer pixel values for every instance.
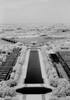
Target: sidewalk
(24, 70)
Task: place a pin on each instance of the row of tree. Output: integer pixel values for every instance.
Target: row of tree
(7, 90)
(61, 85)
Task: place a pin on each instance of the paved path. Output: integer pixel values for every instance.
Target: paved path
(24, 69)
(23, 76)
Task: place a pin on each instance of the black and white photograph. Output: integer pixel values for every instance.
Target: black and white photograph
(34, 49)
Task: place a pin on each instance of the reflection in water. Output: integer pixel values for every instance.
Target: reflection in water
(34, 75)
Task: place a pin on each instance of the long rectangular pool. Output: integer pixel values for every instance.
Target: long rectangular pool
(33, 75)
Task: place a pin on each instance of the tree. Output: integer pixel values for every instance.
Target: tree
(63, 88)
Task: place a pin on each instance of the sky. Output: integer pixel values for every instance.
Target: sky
(34, 11)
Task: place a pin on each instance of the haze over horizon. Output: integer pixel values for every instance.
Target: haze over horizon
(34, 11)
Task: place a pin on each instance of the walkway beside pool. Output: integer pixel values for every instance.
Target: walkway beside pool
(44, 76)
